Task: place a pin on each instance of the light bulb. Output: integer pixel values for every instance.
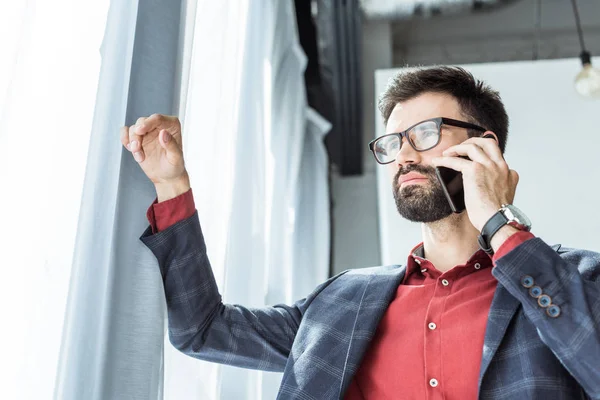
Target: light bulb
(587, 81)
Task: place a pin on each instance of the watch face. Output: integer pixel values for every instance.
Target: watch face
(519, 218)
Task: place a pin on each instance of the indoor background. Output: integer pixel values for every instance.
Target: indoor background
(278, 103)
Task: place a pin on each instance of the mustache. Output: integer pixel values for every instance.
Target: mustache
(421, 169)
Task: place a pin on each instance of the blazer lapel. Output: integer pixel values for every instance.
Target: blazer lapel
(503, 308)
(377, 294)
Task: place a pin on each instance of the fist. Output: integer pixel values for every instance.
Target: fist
(155, 143)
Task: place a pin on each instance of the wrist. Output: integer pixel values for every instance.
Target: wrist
(501, 236)
(488, 214)
(169, 190)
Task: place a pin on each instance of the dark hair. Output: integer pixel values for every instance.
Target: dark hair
(479, 103)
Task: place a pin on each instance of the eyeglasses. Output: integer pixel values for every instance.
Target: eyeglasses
(422, 137)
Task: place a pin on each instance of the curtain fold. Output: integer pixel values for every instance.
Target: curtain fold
(113, 333)
(264, 220)
(255, 154)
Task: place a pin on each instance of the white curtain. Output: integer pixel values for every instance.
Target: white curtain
(74, 202)
(259, 172)
(49, 69)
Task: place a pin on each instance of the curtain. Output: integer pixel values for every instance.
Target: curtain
(264, 206)
(84, 297)
(49, 71)
(113, 336)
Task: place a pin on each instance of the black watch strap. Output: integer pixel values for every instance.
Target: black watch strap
(490, 228)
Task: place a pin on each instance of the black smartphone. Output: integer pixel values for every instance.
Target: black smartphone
(452, 183)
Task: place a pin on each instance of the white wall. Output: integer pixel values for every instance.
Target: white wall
(553, 143)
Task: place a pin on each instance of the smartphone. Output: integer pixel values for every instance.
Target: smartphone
(452, 184)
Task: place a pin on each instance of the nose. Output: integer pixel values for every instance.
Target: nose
(407, 155)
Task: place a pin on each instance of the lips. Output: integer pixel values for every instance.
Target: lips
(411, 176)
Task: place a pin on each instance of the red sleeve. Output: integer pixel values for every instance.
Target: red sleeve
(511, 243)
(163, 215)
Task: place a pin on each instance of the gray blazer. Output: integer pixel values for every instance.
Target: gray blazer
(319, 341)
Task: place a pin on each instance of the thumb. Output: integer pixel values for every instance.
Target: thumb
(167, 142)
(171, 146)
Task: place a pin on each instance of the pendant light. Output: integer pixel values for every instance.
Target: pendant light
(587, 82)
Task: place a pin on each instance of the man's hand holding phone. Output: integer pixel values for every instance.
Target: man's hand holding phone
(487, 180)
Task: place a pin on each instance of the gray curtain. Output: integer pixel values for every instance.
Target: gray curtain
(113, 336)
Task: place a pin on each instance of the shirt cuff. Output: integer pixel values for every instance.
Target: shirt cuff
(511, 243)
(166, 214)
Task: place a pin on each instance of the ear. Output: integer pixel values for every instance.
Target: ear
(490, 135)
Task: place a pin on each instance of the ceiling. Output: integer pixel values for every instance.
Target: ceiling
(507, 33)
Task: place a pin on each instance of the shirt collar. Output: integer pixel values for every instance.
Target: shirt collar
(417, 256)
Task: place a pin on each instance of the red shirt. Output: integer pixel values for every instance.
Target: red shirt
(428, 344)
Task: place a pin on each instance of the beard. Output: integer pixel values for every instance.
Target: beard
(421, 203)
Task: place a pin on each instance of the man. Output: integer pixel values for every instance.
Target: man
(482, 308)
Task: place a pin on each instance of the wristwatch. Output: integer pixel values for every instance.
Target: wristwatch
(506, 215)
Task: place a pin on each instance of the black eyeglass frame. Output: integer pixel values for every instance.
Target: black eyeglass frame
(439, 121)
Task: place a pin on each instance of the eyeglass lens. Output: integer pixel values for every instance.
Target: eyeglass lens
(422, 136)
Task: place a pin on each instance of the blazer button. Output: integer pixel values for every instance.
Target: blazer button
(527, 281)
(544, 300)
(553, 311)
(535, 291)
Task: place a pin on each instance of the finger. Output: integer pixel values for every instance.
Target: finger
(174, 152)
(473, 151)
(135, 145)
(490, 147)
(455, 163)
(159, 121)
(125, 136)
(135, 140)
(165, 139)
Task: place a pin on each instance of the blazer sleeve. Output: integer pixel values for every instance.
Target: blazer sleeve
(200, 325)
(571, 279)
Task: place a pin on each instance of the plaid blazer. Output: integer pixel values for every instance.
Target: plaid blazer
(319, 341)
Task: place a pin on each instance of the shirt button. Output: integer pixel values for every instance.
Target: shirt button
(445, 282)
(433, 382)
(424, 270)
(432, 325)
(418, 261)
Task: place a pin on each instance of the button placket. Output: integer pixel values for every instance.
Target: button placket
(433, 339)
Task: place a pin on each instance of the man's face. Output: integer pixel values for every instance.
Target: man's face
(422, 199)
